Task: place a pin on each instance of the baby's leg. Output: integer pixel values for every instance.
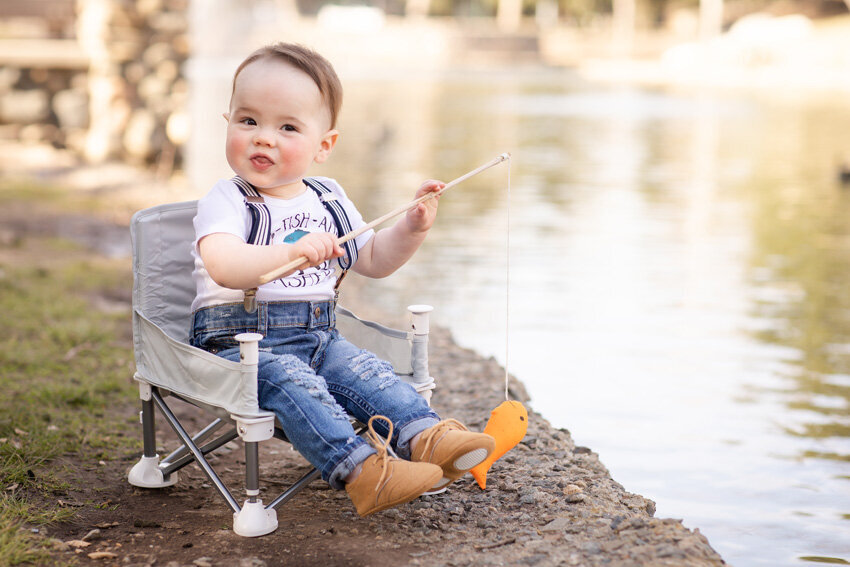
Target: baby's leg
(366, 386)
(319, 428)
(313, 421)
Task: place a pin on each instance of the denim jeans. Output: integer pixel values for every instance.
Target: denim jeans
(313, 379)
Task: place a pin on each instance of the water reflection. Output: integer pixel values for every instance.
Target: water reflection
(637, 255)
(802, 264)
(683, 255)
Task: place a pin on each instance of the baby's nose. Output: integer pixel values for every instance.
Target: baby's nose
(263, 138)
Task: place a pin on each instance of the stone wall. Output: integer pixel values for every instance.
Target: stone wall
(103, 78)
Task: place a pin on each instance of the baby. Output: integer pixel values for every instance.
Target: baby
(282, 119)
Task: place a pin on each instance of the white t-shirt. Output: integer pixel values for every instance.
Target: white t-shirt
(223, 209)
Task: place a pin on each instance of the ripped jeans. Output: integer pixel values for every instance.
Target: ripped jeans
(313, 379)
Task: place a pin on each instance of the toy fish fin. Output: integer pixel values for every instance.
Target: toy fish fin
(480, 474)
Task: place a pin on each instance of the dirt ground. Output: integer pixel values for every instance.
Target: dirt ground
(190, 524)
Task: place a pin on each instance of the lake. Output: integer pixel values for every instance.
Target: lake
(667, 275)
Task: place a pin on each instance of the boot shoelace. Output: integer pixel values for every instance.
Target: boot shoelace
(382, 446)
(437, 434)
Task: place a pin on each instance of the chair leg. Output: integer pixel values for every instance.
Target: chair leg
(295, 488)
(199, 438)
(420, 323)
(252, 470)
(196, 452)
(169, 466)
(148, 416)
(147, 473)
(254, 519)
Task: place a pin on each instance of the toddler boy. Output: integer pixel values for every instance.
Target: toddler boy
(282, 119)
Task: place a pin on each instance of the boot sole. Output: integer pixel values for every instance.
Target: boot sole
(461, 465)
(471, 459)
(465, 461)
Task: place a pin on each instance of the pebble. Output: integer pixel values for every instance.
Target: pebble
(557, 525)
(102, 555)
(58, 544)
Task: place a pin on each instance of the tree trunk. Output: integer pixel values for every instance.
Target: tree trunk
(419, 8)
(711, 18)
(624, 26)
(509, 15)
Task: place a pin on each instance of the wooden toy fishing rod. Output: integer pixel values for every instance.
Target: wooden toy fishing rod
(298, 262)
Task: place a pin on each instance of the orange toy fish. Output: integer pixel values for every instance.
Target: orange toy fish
(507, 424)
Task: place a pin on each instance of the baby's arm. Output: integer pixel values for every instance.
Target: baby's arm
(234, 264)
(391, 247)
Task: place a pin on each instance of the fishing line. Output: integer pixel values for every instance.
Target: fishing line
(508, 282)
(508, 422)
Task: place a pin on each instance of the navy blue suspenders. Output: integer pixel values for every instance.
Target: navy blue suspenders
(261, 230)
(261, 218)
(337, 212)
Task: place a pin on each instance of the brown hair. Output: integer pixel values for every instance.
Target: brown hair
(314, 65)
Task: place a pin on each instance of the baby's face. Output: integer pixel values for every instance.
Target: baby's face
(278, 125)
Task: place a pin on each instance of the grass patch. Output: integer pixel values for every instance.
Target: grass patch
(18, 545)
(48, 197)
(65, 367)
(28, 191)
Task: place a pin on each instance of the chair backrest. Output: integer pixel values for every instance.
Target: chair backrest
(163, 290)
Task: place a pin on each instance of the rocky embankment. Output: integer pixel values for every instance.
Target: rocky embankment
(548, 502)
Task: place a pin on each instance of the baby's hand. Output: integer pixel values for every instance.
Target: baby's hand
(421, 217)
(317, 247)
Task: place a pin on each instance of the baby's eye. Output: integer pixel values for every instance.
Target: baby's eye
(289, 128)
(248, 121)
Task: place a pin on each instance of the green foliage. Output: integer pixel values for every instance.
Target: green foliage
(29, 193)
(17, 545)
(64, 363)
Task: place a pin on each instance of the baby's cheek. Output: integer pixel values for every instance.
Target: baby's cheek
(233, 146)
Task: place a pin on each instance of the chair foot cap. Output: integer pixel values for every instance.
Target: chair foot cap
(147, 474)
(254, 520)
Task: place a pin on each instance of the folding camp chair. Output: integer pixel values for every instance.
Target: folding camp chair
(162, 240)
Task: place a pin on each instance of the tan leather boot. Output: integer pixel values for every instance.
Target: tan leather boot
(454, 448)
(386, 481)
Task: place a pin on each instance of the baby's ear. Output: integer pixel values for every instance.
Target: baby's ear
(326, 145)
(226, 116)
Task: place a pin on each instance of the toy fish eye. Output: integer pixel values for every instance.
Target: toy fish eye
(521, 418)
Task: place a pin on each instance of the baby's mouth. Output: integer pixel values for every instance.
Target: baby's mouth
(261, 162)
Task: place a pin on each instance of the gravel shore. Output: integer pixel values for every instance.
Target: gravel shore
(547, 502)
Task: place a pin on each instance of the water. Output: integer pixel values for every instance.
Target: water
(678, 278)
